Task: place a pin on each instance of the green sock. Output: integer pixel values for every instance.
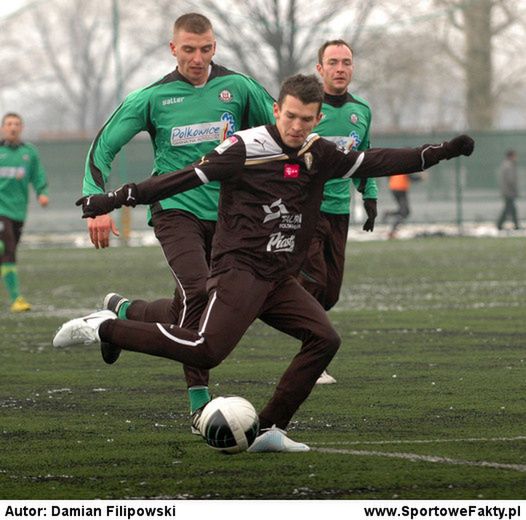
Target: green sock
(198, 396)
(121, 313)
(10, 277)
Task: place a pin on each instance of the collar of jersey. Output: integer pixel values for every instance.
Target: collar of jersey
(212, 73)
(14, 146)
(292, 152)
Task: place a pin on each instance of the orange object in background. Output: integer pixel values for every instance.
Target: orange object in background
(399, 182)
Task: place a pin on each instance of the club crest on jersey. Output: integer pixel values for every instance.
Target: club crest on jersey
(225, 96)
(308, 160)
(291, 171)
(353, 118)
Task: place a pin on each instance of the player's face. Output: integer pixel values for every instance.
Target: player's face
(12, 129)
(295, 120)
(194, 52)
(336, 69)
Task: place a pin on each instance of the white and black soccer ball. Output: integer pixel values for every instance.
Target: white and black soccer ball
(229, 424)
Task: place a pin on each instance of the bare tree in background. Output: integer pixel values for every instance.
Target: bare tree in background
(80, 57)
(272, 39)
(58, 63)
(407, 91)
(397, 68)
(480, 22)
(70, 54)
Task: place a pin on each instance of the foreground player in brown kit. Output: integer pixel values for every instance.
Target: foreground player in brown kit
(272, 180)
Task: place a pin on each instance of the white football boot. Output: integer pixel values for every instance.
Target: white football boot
(82, 331)
(275, 439)
(325, 379)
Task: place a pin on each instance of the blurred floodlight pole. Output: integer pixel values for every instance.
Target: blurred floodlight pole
(123, 166)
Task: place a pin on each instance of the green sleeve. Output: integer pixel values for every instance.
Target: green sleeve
(260, 105)
(38, 174)
(130, 118)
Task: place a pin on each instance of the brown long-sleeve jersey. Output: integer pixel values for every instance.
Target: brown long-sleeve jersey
(271, 194)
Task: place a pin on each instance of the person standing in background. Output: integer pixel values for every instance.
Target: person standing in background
(19, 167)
(509, 189)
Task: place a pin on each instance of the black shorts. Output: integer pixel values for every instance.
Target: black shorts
(10, 233)
(322, 271)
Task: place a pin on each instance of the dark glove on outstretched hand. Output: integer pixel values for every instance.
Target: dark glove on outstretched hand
(95, 205)
(370, 209)
(460, 145)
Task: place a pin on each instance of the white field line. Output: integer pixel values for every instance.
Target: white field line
(425, 458)
(414, 457)
(423, 441)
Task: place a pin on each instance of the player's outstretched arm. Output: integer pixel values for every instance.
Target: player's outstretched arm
(460, 145)
(217, 165)
(384, 162)
(149, 191)
(103, 203)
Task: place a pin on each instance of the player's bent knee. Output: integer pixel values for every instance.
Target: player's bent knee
(330, 301)
(332, 342)
(210, 359)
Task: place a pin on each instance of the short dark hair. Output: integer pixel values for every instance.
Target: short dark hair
(511, 153)
(11, 114)
(307, 89)
(193, 22)
(322, 49)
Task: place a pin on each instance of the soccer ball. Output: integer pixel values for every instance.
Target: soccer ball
(229, 424)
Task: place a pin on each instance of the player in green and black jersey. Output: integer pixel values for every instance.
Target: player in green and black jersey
(19, 167)
(346, 121)
(187, 114)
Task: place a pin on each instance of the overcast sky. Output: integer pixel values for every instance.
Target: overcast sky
(9, 6)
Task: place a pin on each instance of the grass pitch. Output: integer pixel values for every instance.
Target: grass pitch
(430, 400)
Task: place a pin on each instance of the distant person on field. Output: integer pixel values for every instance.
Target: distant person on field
(19, 167)
(399, 186)
(509, 189)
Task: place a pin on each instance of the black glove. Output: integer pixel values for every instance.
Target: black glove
(95, 205)
(370, 209)
(460, 145)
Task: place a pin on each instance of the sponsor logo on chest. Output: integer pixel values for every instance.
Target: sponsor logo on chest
(203, 132)
(12, 172)
(281, 243)
(291, 171)
(278, 210)
(172, 100)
